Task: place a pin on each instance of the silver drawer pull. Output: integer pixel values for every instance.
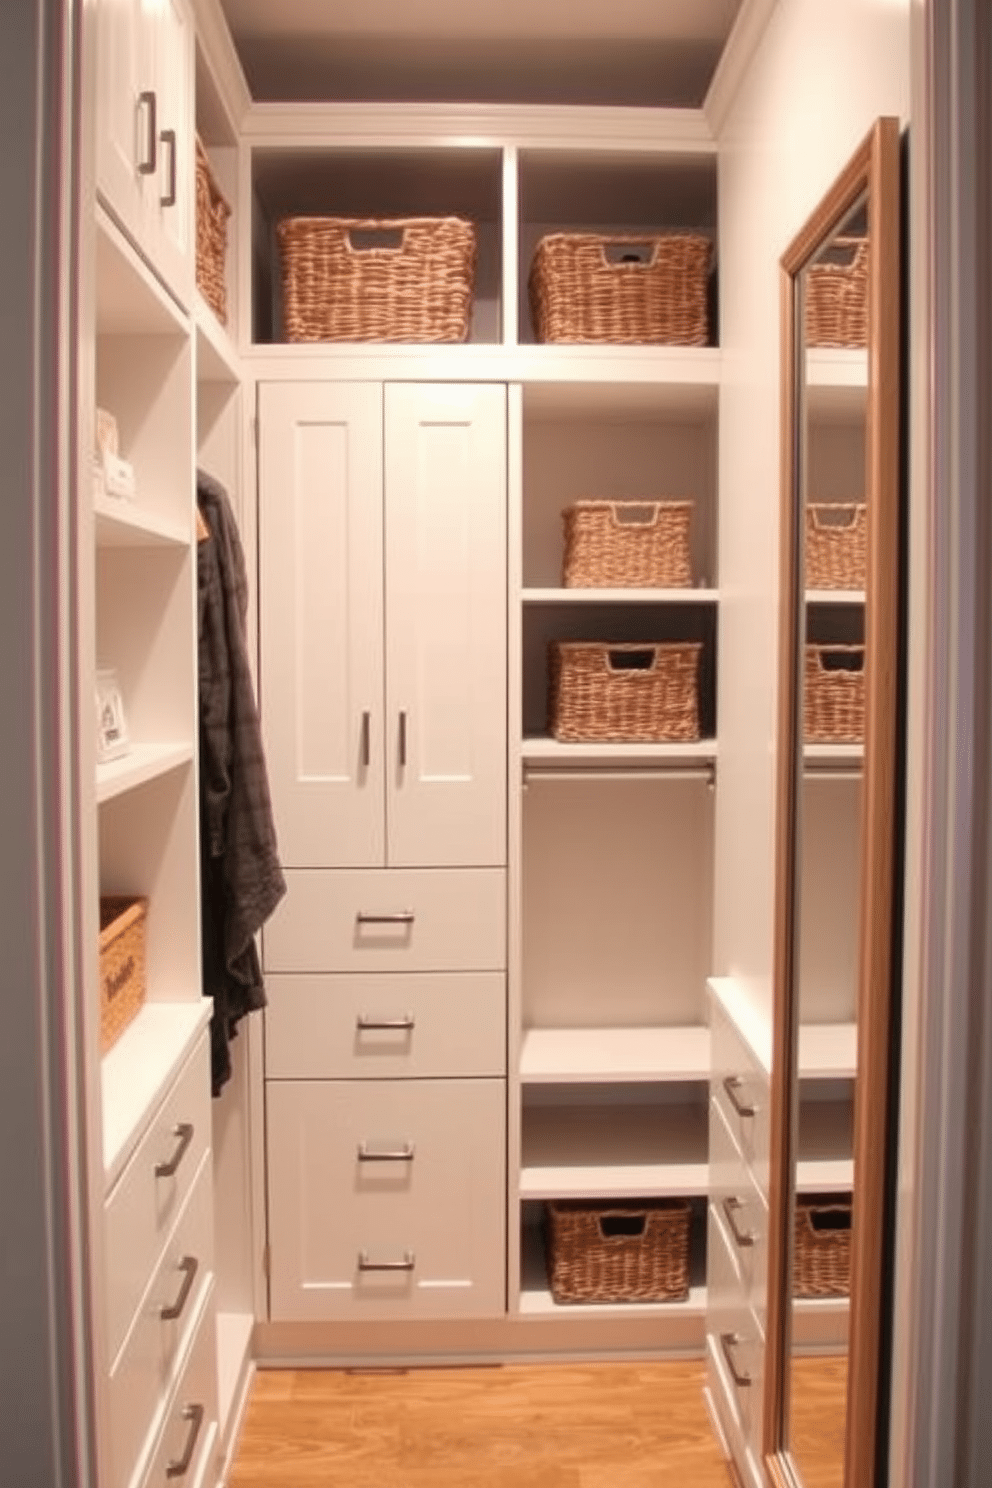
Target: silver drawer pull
(179, 1466)
(386, 1154)
(365, 1024)
(393, 917)
(366, 738)
(406, 1264)
(189, 1266)
(184, 1135)
(149, 165)
(403, 738)
(728, 1342)
(731, 1085)
(731, 1208)
(168, 137)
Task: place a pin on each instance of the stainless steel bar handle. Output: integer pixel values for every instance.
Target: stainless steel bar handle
(366, 738)
(386, 1154)
(365, 1024)
(731, 1085)
(731, 1208)
(403, 737)
(393, 917)
(728, 1342)
(179, 1466)
(406, 1264)
(168, 137)
(189, 1266)
(184, 1134)
(149, 165)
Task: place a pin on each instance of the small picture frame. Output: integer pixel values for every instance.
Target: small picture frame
(111, 738)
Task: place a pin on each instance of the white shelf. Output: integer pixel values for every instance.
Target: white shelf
(537, 1300)
(144, 762)
(619, 596)
(828, 1051)
(122, 524)
(837, 383)
(138, 1070)
(612, 1055)
(129, 299)
(835, 596)
(575, 1152)
(833, 756)
(641, 382)
(216, 358)
(540, 750)
(825, 1177)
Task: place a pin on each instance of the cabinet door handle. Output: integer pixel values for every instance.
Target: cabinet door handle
(403, 738)
(149, 165)
(179, 1466)
(365, 1024)
(386, 1154)
(731, 1085)
(168, 137)
(366, 738)
(184, 1134)
(728, 1342)
(744, 1238)
(393, 917)
(406, 1264)
(189, 1266)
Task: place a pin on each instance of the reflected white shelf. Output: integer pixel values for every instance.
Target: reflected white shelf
(614, 1055)
(837, 383)
(833, 757)
(123, 524)
(562, 596)
(828, 1051)
(143, 762)
(835, 596)
(216, 358)
(825, 1146)
(574, 1152)
(541, 750)
(825, 1177)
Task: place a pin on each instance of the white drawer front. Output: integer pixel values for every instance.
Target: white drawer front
(183, 1456)
(723, 1402)
(735, 1364)
(142, 1374)
(382, 1026)
(356, 1233)
(742, 1211)
(143, 1205)
(741, 1090)
(392, 919)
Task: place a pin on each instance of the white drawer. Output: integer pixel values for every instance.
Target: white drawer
(355, 1233)
(747, 1473)
(142, 1374)
(742, 1212)
(143, 1204)
(741, 1090)
(374, 1026)
(390, 919)
(184, 1454)
(735, 1352)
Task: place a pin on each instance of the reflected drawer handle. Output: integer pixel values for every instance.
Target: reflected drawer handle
(731, 1085)
(365, 1023)
(184, 1133)
(179, 1466)
(189, 1266)
(728, 1342)
(744, 1238)
(168, 137)
(387, 1154)
(396, 917)
(406, 1264)
(149, 165)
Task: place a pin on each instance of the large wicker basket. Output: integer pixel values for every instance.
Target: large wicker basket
(632, 694)
(627, 545)
(212, 213)
(585, 287)
(834, 695)
(379, 279)
(626, 1252)
(836, 306)
(122, 965)
(836, 545)
(822, 1248)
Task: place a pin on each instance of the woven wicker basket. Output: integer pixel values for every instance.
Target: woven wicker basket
(836, 545)
(585, 287)
(418, 287)
(122, 965)
(822, 1249)
(632, 694)
(630, 1252)
(834, 695)
(212, 212)
(836, 307)
(627, 545)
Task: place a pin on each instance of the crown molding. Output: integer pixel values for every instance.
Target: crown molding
(743, 42)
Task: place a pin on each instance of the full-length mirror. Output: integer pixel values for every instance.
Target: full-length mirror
(836, 828)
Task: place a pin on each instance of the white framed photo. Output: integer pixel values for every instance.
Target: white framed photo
(111, 737)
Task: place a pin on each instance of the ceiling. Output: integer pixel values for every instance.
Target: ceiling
(636, 52)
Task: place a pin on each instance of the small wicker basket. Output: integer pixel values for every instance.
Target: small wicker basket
(627, 545)
(836, 307)
(822, 1248)
(585, 287)
(836, 545)
(834, 695)
(415, 286)
(122, 965)
(212, 213)
(628, 1252)
(631, 694)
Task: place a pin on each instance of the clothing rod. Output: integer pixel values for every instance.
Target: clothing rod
(705, 772)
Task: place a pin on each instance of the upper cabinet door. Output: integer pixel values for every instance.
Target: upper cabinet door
(172, 202)
(321, 677)
(126, 110)
(446, 625)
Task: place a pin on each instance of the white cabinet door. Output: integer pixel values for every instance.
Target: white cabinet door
(126, 110)
(446, 624)
(171, 203)
(321, 674)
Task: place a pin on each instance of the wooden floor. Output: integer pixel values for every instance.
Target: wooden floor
(515, 1426)
(817, 1418)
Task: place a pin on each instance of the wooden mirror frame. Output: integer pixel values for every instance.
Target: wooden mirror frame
(872, 175)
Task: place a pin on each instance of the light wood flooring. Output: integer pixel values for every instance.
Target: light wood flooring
(513, 1426)
(817, 1419)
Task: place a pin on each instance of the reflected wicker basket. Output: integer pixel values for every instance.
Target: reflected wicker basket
(212, 213)
(836, 296)
(625, 1252)
(631, 694)
(627, 545)
(822, 1248)
(836, 543)
(122, 964)
(834, 695)
(587, 287)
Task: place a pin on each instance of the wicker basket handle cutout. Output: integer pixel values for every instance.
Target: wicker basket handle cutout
(622, 1225)
(844, 253)
(841, 658)
(832, 1219)
(375, 238)
(635, 513)
(634, 659)
(627, 253)
(836, 515)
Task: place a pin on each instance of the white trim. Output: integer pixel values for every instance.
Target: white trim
(735, 60)
(216, 48)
